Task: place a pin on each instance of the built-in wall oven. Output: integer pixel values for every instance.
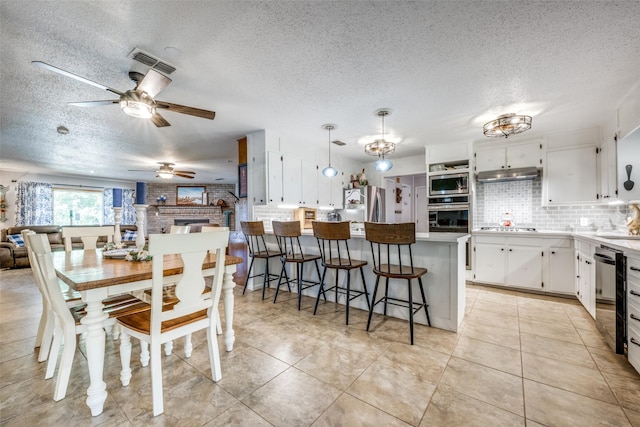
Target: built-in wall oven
(451, 214)
(611, 317)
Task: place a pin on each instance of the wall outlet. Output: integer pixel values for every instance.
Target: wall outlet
(584, 222)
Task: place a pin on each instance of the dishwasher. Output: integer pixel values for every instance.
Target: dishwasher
(611, 318)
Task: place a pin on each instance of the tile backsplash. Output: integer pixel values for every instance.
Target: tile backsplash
(523, 200)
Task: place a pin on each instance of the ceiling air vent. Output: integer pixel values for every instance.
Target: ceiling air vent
(338, 143)
(151, 61)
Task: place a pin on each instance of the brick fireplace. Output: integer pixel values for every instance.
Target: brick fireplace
(161, 216)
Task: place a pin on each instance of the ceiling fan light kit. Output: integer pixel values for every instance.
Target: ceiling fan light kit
(138, 102)
(507, 124)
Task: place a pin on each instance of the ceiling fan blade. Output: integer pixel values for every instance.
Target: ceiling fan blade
(94, 103)
(182, 175)
(184, 172)
(205, 114)
(153, 83)
(159, 121)
(74, 76)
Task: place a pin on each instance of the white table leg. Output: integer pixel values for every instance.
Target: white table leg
(95, 341)
(228, 301)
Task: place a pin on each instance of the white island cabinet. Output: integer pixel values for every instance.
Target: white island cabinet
(443, 254)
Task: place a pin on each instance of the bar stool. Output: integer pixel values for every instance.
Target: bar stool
(334, 249)
(392, 243)
(287, 234)
(254, 234)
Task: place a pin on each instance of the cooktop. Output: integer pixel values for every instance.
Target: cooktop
(514, 229)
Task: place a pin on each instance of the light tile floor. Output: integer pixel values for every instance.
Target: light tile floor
(519, 359)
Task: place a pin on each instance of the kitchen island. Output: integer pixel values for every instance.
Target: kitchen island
(442, 254)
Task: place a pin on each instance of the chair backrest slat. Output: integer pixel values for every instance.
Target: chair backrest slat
(41, 252)
(254, 234)
(88, 235)
(192, 249)
(333, 239)
(287, 234)
(391, 243)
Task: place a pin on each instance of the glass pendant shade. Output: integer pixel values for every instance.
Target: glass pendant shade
(329, 171)
(383, 165)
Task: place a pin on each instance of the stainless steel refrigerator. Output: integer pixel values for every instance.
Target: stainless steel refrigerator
(365, 204)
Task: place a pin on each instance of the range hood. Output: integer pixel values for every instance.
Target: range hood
(516, 174)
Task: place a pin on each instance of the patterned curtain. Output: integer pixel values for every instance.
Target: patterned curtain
(34, 204)
(128, 212)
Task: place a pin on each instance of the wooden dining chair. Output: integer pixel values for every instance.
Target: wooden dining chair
(67, 319)
(288, 236)
(193, 311)
(392, 259)
(180, 229)
(254, 234)
(88, 235)
(333, 241)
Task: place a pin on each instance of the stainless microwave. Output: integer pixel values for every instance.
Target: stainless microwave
(453, 183)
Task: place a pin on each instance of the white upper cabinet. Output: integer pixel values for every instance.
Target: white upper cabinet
(508, 155)
(629, 167)
(275, 168)
(444, 153)
(571, 176)
(258, 143)
(629, 113)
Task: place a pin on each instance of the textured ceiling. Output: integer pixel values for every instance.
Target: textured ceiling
(443, 67)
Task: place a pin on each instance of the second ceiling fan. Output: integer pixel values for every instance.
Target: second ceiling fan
(139, 101)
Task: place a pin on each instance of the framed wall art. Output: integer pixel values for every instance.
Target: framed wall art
(189, 195)
(242, 180)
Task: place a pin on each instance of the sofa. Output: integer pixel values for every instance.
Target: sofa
(13, 256)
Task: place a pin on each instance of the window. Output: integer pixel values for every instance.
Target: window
(77, 207)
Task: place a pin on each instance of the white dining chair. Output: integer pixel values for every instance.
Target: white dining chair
(67, 319)
(192, 312)
(88, 235)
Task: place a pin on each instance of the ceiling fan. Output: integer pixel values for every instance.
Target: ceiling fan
(137, 102)
(166, 171)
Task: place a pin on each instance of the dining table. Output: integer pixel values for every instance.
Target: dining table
(96, 277)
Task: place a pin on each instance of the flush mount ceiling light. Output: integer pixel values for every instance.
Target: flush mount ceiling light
(62, 130)
(507, 124)
(380, 147)
(137, 104)
(329, 170)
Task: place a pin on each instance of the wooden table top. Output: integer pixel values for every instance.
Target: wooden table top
(84, 270)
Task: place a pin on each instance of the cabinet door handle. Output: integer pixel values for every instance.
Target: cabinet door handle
(634, 293)
(634, 268)
(553, 252)
(634, 317)
(588, 262)
(502, 249)
(635, 342)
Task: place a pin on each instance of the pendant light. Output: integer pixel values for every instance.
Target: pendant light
(329, 170)
(380, 147)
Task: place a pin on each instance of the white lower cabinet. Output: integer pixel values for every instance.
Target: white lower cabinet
(542, 264)
(633, 311)
(490, 262)
(524, 266)
(586, 276)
